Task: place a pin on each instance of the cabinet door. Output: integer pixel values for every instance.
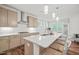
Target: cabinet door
(28, 48)
(14, 41)
(22, 41)
(12, 18)
(32, 22)
(4, 43)
(35, 23)
(3, 17)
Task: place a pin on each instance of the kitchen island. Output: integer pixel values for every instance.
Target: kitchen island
(42, 41)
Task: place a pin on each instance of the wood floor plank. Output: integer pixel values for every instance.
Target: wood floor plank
(57, 46)
(50, 51)
(73, 49)
(60, 41)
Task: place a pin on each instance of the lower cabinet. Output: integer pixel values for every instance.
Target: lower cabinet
(4, 44)
(22, 40)
(14, 41)
(28, 48)
(11, 42)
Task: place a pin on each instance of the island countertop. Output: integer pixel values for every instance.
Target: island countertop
(43, 41)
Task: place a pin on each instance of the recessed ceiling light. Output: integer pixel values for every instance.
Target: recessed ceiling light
(57, 18)
(53, 15)
(46, 9)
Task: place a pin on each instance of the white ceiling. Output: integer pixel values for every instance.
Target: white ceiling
(64, 11)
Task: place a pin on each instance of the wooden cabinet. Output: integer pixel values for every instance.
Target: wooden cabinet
(28, 48)
(32, 22)
(3, 17)
(12, 18)
(22, 40)
(14, 41)
(8, 18)
(4, 44)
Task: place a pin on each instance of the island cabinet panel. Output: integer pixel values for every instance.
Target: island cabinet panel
(12, 18)
(3, 17)
(28, 48)
(14, 41)
(4, 44)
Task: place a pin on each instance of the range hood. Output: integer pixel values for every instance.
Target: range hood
(22, 21)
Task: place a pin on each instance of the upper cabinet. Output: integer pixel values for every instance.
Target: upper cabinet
(3, 17)
(32, 21)
(8, 18)
(12, 18)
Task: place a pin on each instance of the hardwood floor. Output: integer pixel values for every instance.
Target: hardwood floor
(57, 48)
(50, 51)
(74, 49)
(15, 51)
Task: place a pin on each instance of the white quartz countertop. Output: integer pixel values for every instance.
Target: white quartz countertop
(43, 41)
(8, 34)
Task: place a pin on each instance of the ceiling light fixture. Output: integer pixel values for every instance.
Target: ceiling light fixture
(57, 18)
(53, 15)
(46, 9)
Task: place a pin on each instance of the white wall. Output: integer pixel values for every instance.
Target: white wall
(74, 24)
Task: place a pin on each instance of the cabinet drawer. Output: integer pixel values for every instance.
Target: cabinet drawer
(4, 43)
(14, 41)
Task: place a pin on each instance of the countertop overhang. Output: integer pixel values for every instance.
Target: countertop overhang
(43, 41)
